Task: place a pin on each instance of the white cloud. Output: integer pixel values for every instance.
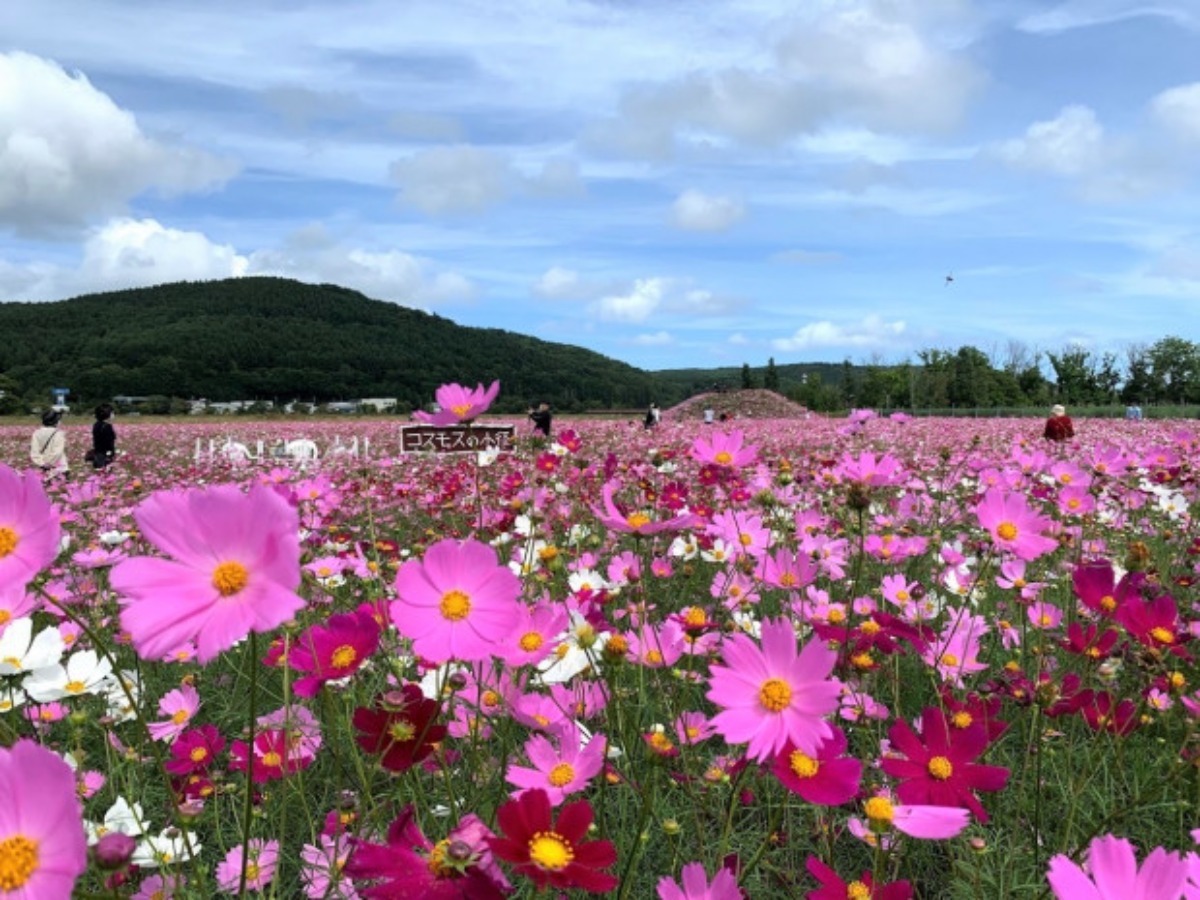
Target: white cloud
(637, 305)
(558, 284)
(1087, 13)
(697, 211)
(872, 331)
(1178, 110)
(1071, 144)
(127, 253)
(656, 339)
(68, 153)
(464, 179)
(450, 180)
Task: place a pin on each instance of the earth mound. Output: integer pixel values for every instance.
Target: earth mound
(744, 404)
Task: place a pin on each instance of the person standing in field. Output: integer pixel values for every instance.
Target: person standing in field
(653, 416)
(48, 446)
(541, 418)
(104, 437)
(1059, 427)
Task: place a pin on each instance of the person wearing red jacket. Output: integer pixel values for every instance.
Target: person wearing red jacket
(1059, 427)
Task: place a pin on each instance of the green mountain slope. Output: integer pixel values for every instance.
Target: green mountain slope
(277, 339)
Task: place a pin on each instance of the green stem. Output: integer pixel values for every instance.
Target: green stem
(248, 808)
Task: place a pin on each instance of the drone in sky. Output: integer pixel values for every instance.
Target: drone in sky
(949, 279)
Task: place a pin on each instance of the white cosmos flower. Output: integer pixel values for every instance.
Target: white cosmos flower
(122, 817)
(164, 849)
(19, 654)
(85, 673)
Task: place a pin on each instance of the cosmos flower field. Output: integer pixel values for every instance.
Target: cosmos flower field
(824, 658)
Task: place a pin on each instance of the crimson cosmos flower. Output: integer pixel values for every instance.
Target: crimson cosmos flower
(833, 888)
(942, 771)
(550, 852)
(399, 727)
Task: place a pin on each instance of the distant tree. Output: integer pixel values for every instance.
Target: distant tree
(771, 376)
(747, 377)
(1139, 379)
(1175, 366)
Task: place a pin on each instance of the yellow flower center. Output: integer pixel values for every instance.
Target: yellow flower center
(871, 627)
(835, 616)
(530, 641)
(461, 409)
(437, 859)
(180, 716)
(637, 520)
(1108, 603)
(272, 759)
(694, 616)
(1162, 635)
(803, 765)
(903, 596)
(561, 774)
(1177, 680)
(788, 579)
(856, 890)
(1006, 531)
(8, 541)
(745, 540)
(402, 730)
(724, 458)
(949, 659)
(455, 606)
(653, 657)
(343, 657)
(862, 660)
(5, 615)
(229, 578)
(550, 851)
(490, 698)
(940, 768)
(775, 694)
(74, 687)
(879, 810)
(198, 754)
(660, 743)
(961, 719)
(251, 871)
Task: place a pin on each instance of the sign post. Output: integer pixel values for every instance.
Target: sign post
(455, 438)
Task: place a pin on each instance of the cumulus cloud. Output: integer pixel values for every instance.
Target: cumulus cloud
(464, 179)
(69, 154)
(655, 339)
(872, 331)
(636, 305)
(1070, 144)
(694, 210)
(868, 64)
(127, 253)
(1178, 110)
(558, 283)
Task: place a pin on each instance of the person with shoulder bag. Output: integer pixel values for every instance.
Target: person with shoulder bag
(48, 446)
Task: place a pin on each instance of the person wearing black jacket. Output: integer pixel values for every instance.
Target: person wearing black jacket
(104, 437)
(541, 418)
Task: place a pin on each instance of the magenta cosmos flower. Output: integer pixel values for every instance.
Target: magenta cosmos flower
(29, 528)
(234, 569)
(834, 888)
(942, 771)
(456, 603)
(334, 650)
(1115, 874)
(1014, 526)
(825, 778)
(43, 848)
(459, 404)
(724, 450)
(774, 694)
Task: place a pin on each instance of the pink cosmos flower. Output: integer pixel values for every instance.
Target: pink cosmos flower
(321, 868)
(1014, 526)
(1044, 615)
(725, 450)
(458, 602)
(639, 522)
(773, 694)
(260, 870)
(235, 568)
(695, 885)
(459, 404)
(927, 823)
(43, 847)
(1114, 873)
(179, 706)
(29, 528)
(562, 771)
(334, 650)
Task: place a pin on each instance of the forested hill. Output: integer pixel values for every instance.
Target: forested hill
(277, 339)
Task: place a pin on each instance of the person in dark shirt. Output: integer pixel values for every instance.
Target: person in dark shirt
(541, 418)
(1059, 427)
(104, 437)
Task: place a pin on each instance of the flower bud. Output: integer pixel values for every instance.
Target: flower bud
(114, 850)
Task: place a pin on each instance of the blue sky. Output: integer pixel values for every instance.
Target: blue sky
(672, 184)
